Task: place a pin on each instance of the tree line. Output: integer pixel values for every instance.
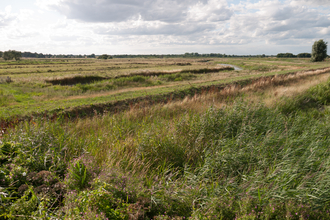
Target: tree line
(290, 55)
(319, 53)
(11, 54)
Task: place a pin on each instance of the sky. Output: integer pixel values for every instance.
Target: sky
(241, 27)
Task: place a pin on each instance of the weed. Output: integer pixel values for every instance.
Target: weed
(80, 173)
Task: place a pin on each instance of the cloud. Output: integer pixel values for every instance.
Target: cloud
(149, 10)
(182, 23)
(22, 34)
(6, 17)
(60, 24)
(213, 22)
(275, 22)
(154, 28)
(312, 2)
(63, 38)
(211, 11)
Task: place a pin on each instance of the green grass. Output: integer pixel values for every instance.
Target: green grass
(244, 161)
(30, 105)
(32, 92)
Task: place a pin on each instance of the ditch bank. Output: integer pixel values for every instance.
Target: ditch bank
(148, 100)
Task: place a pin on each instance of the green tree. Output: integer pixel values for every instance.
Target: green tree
(12, 54)
(7, 55)
(304, 55)
(17, 55)
(319, 51)
(104, 56)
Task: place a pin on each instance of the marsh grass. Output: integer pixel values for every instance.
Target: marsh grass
(213, 155)
(93, 81)
(240, 161)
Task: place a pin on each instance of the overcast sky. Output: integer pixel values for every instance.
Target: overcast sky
(163, 26)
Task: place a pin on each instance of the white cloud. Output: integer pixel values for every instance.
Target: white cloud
(85, 26)
(60, 24)
(211, 11)
(7, 17)
(22, 34)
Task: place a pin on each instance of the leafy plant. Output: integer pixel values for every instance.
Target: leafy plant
(81, 173)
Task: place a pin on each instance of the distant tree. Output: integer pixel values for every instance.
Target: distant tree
(1, 53)
(304, 55)
(104, 56)
(12, 54)
(7, 55)
(319, 51)
(17, 55)
(285, 55)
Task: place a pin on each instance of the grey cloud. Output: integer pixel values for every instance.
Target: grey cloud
(164, 29)
(122, 10)
(304, 34)
(284, 41)
(314, 2)
(300, 24)
(283, 13)
(208, 22)
(221, 14)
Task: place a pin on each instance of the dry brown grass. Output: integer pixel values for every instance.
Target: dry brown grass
(268, 90)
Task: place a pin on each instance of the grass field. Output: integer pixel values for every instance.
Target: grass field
(165, 139)
(54, 86)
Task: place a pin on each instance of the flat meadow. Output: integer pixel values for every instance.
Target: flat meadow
(172, 138)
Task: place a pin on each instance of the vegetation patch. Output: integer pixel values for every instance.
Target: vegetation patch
(5, 80)
(243, 161)
(75, 80)
(195, 71)
(183, 64)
